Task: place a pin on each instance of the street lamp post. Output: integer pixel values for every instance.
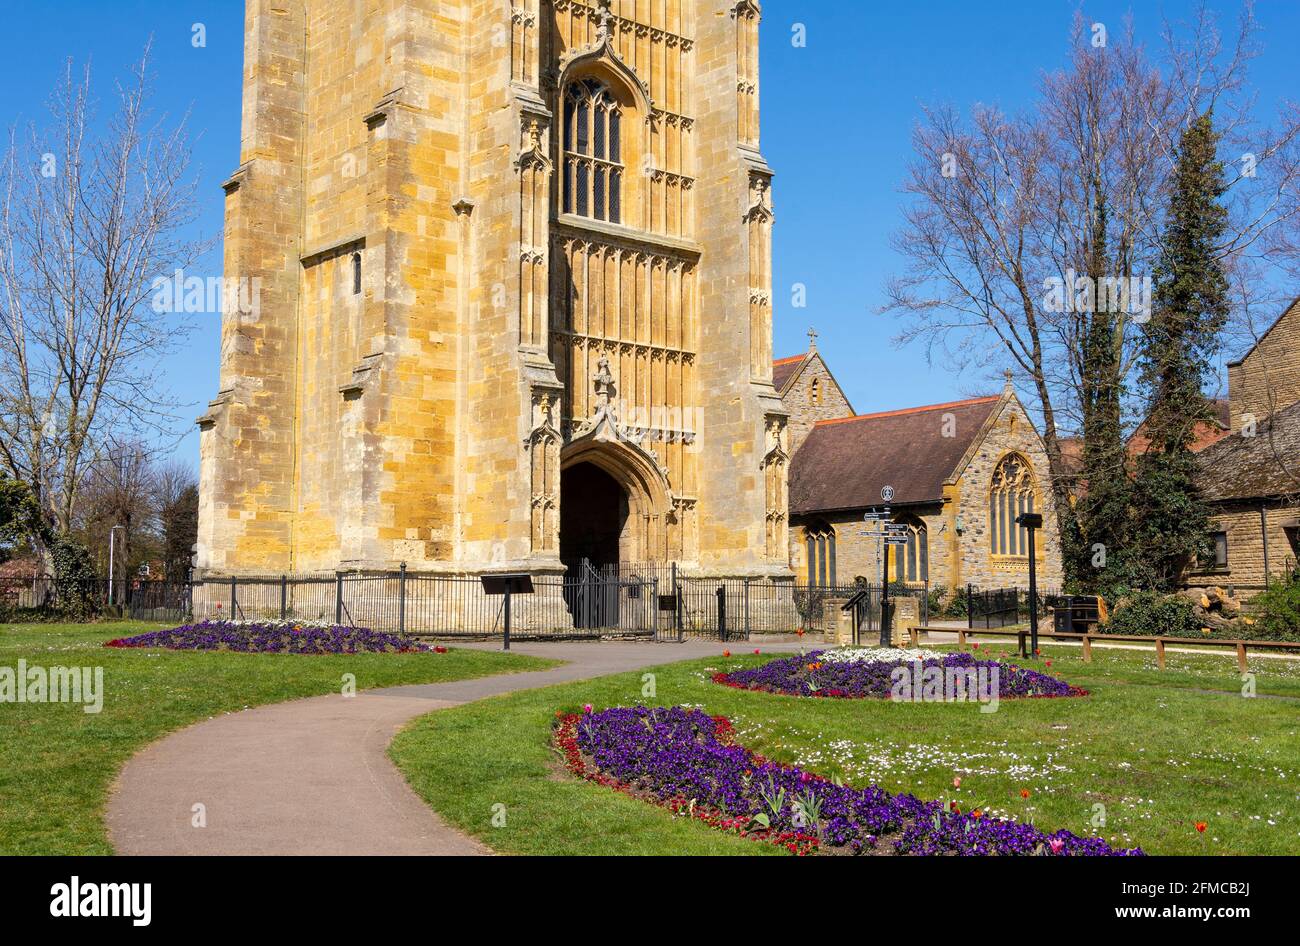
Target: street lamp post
(112, 549)
(1031, 522)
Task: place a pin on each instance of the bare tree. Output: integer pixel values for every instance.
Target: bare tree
(89, 218)
(1071, 194)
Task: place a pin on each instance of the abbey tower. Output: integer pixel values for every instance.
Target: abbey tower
(512, 271)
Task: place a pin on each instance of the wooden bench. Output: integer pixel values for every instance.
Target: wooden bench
(1022, 636)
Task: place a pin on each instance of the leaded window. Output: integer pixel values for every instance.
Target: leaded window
(911, 562)
(1012, 495)
(820, 539)
(593, 143)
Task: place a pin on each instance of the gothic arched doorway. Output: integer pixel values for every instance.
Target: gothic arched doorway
(593, 515)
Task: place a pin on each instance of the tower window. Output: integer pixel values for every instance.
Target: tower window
(593, 168)
(356, 274)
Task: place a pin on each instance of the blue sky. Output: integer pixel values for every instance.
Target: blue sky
(837, 116)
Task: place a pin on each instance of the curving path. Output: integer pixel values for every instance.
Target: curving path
(313, 776)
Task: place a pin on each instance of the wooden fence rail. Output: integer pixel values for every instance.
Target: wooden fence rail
(1022, 635)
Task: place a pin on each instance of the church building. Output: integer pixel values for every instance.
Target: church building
(1251, 478)
(507, 273)
(960, 473)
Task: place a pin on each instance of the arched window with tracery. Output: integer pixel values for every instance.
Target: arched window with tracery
(911, 562)
(1012, 495)
(820, 539)
(593, 147)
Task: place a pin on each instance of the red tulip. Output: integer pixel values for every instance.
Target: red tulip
(1200, 827)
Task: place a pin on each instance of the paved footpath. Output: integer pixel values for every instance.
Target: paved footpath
(313, 776)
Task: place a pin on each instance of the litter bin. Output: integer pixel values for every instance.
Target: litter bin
(1076, 614)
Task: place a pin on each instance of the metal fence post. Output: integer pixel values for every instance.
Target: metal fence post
(747, 628)
(722, 613)
(654, 607)
(284, 597)
(338, 598)
(970, 607)
(677, 607)
(401, 600)
(234, 597)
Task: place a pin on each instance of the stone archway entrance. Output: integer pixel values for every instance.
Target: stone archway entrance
(593, 516)
(615, 504)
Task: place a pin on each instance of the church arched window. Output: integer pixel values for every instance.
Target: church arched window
(911, 562)
(820, 539)
(1012, 495)
(593, 145)
(816, 391)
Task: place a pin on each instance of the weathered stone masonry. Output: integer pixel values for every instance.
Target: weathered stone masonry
(503, 330)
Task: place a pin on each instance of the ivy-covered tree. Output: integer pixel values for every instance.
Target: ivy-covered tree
(20, 515)
(1103, 509)
(1179, 344)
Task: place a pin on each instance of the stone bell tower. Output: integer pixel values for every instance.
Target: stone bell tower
(511, 293)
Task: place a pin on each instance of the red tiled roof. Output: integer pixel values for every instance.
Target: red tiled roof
(844, 462)
(784, 369)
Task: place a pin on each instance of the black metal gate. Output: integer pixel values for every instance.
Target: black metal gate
(993, 607)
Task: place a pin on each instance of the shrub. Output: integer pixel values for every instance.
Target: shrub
(1277, 612)
(1151, 614)
(75, 580)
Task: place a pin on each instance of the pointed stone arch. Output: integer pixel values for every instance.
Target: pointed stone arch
(649, 494)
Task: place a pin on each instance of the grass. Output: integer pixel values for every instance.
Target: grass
(57, 763)
(1158, 751)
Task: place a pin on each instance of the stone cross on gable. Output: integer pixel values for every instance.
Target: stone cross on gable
(812, 338)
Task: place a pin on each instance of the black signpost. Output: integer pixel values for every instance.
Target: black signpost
(1031, 522)
(507, 585)
(889, 534)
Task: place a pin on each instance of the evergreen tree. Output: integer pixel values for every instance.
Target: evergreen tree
(1103, 509)
(1190, 308)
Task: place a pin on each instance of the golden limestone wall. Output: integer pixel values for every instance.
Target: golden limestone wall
(812, 396)
(495, 339)
(1267, 379)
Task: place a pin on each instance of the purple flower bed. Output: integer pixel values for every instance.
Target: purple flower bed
(809, 675)
(675, 755)
(273, 638)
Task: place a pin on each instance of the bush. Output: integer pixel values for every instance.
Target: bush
(1151, 614)
(75, 580)
(1277, 612)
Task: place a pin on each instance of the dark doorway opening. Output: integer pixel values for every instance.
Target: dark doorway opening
(593, 511)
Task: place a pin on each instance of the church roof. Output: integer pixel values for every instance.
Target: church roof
(784, 369)
(844, 462)
(1263, 466)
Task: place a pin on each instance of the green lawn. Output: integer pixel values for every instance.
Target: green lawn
(58, 762)
(1159, 750)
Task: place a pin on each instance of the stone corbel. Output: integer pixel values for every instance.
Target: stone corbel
(233, 183)
(384, 110)
(216, 407)
(362, 375)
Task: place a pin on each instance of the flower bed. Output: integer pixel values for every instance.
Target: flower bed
(274, 637)
(838, 674)
(686, 761)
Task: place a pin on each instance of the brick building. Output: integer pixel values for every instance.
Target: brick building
(509, 273)
(1251, 478)
(961, 473)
